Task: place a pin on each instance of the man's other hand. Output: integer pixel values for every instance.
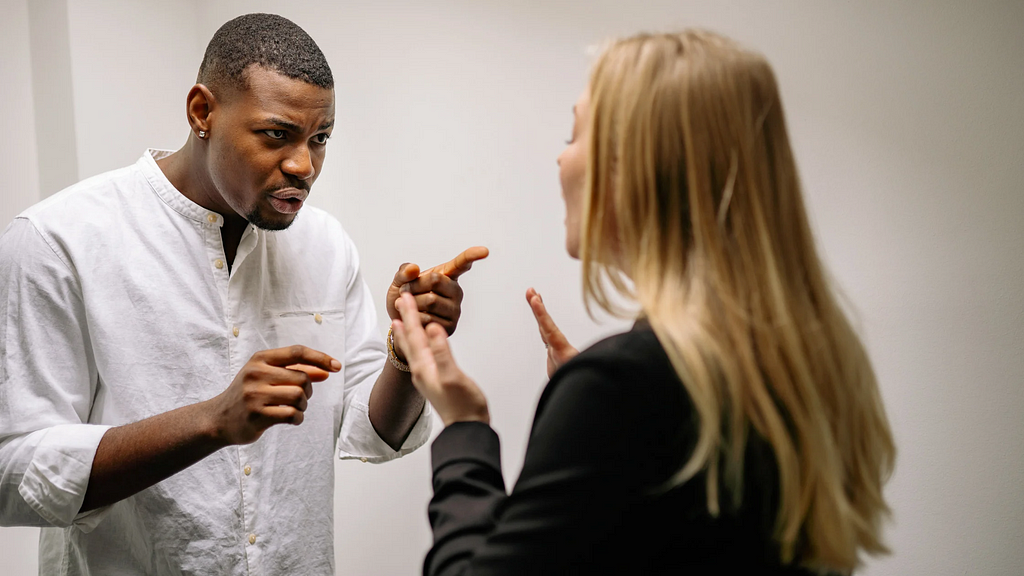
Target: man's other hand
(272, 388)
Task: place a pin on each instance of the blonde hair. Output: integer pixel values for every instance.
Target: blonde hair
(692, 208)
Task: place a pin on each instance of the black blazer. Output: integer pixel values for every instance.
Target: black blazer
(612, 426)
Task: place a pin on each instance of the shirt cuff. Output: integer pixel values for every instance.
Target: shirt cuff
(57, 478)
(466, 441)
(359, 440)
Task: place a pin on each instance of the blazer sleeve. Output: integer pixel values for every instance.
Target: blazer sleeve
(588, 453)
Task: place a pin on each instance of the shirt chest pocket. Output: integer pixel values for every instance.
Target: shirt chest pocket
(321, 330)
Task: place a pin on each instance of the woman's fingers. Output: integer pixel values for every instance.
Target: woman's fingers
(412, 339)
(544, 321)
(559, 349)
(438, 342)
(549, 331)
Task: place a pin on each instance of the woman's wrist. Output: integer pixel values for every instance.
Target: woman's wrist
(480, 414)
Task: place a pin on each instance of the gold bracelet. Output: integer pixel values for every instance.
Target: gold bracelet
(392, 356)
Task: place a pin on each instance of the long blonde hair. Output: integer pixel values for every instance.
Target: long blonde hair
(692, 208)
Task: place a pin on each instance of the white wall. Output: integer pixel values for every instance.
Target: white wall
(133, 63)
(19, 189)
(19, 171)
(908, 123)
(52, 94)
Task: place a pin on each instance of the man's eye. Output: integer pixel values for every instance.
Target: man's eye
(275, 134)
(321, 138)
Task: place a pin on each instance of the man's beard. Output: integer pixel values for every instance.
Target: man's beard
(256, 219)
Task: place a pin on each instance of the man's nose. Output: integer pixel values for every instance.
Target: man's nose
(299, 164)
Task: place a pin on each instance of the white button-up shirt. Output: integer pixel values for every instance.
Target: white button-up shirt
(116, 304)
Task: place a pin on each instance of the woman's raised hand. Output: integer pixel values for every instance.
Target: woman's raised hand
(559, 349)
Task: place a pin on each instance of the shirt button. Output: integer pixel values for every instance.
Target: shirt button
(211, 218)
(247, 470)
(252, 538)
(235, 332)
(363, 459)
(319, 319)
(218, 263)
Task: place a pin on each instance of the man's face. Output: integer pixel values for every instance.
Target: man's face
(267, 144)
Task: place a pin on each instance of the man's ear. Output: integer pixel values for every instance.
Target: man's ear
(199, 107)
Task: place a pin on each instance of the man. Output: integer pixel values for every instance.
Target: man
(160, 322)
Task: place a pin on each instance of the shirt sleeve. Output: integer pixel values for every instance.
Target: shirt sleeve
(365, 355)
(584, 462)
(47, 383)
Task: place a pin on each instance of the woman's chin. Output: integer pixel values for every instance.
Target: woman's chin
(573, 249)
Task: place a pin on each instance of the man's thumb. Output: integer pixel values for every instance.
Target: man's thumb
(406, 273)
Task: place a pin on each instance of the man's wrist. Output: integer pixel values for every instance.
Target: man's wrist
(398, 363)
(209, 425)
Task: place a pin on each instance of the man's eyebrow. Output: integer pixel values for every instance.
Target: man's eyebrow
(282, 123)
(290, 126)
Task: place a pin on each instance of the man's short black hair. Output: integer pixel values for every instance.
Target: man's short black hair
(267, 40)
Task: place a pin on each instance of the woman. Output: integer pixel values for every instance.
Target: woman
(738, 427)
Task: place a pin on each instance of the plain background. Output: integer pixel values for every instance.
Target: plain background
(908, 124)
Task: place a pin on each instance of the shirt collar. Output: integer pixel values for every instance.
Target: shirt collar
(171, 195)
